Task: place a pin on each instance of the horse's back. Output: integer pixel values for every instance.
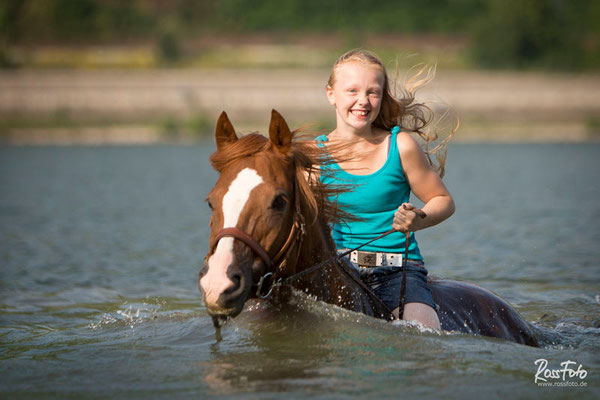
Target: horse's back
(469, 308)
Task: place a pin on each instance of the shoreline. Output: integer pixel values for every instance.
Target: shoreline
(182, 105)
(143, 136)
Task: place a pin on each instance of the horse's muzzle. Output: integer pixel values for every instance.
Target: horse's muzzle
(224, 296)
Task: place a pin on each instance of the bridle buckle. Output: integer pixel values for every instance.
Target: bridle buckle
(260, 284)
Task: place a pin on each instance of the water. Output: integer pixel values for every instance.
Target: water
(100, 249)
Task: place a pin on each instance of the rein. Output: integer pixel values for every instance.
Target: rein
(298, 275)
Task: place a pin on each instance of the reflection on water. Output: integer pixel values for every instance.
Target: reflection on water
(303, 345)
(100, 250)
(258, 364)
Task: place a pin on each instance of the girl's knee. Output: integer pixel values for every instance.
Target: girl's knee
(421, 313)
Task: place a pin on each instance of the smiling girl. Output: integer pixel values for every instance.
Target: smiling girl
(382, 163)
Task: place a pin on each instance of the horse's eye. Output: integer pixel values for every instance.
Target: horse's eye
(279, 202)
(209, 204)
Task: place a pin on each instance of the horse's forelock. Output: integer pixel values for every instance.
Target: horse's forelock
(246, 146)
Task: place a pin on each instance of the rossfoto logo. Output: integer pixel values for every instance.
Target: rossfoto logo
(569, 374)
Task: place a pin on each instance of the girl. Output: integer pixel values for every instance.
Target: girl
(372, 123)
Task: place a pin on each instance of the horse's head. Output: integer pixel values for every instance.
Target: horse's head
(256, 218)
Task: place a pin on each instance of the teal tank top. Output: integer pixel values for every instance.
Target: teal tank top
(374, 199)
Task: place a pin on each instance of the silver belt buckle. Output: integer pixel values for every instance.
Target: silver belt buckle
(373, 259)
(367, 258)
(393, 259)
(364, 258)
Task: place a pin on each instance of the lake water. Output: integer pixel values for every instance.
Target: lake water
(100, 249)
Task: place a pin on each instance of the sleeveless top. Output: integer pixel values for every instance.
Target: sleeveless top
(373, 198)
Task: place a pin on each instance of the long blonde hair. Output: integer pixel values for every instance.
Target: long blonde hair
(402, 109)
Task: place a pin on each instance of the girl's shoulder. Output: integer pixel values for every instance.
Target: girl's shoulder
(407, 144)
(411, 154)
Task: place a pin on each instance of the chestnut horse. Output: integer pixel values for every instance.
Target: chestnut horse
(270, 222)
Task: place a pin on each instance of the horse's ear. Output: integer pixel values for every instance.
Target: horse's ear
(279, 133)
(224, 133)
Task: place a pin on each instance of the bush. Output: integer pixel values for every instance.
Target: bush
(199, 125)
(168, 49)
(534, 33)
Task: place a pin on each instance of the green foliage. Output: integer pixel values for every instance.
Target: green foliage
(343, 15)
(199, 125)
(69, 19)
(168, 48)
(175, 129)
(9, 17)
(5, 60)
(551, 34)
(170, 128)
(592, 124)
(74, 18)
(533, 33)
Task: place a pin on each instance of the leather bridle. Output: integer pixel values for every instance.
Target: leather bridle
(273, 265)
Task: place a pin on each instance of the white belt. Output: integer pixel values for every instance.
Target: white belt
(372, 259)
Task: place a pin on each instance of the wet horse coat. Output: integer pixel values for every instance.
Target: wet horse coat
(268, 217)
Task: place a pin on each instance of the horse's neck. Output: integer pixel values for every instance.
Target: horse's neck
(334, 282)
(317, 246)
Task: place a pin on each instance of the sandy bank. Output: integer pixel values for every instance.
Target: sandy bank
(501, 105)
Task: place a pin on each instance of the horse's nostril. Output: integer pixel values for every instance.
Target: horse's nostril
(236, 278)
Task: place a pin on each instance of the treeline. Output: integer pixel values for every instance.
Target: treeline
(549, 34)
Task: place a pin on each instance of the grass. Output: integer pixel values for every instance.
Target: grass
(169, 127)
(194, 127)
(312, 52)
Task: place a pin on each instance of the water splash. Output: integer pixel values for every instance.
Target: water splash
(130, 314)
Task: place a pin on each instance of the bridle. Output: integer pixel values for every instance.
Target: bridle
(276, 264)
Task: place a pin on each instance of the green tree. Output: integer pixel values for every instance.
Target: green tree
(533, 33)
(73, 19)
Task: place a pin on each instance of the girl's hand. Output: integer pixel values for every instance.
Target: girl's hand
(408, 218)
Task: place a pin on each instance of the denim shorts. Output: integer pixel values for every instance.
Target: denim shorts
(386, 283)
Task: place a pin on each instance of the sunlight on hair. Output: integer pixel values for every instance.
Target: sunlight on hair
(432, 119)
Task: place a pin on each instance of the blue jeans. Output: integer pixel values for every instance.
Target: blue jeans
(386, 283)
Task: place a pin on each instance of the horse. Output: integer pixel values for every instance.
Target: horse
(270, 223)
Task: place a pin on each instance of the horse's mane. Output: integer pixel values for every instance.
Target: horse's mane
(305, 157)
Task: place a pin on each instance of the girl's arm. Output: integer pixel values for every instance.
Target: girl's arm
(426, 184)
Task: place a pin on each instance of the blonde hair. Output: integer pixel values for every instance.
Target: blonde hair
(403, 110)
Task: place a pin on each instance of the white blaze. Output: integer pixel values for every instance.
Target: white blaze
(216, 280)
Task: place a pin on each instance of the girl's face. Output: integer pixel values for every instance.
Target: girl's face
(357, 94)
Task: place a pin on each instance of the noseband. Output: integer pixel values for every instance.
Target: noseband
(275, 264)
